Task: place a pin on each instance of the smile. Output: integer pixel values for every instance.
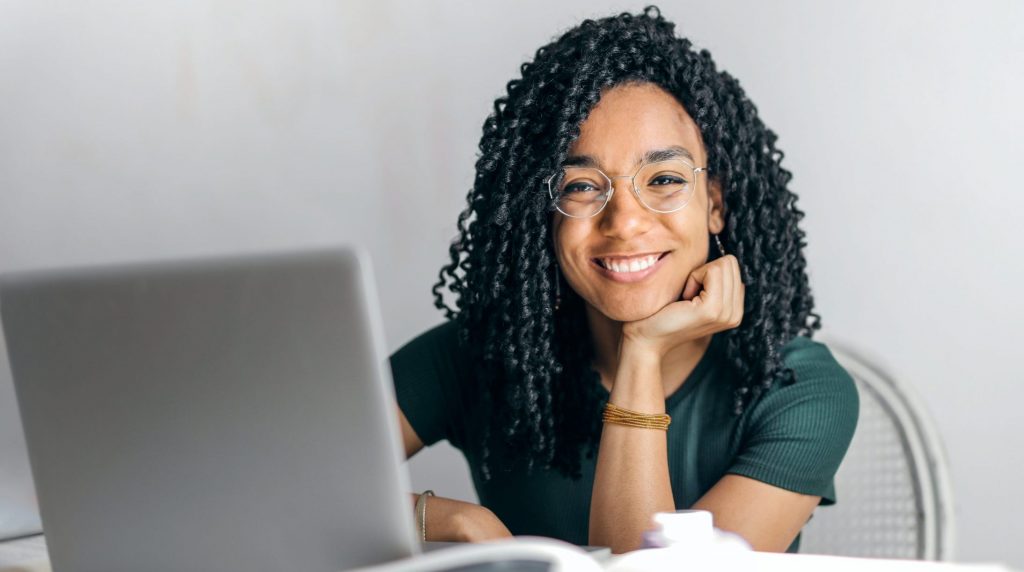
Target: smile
(629, 269)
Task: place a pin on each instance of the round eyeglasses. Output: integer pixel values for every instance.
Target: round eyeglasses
(662, 186)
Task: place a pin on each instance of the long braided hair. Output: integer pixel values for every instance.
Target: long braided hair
(533, 364)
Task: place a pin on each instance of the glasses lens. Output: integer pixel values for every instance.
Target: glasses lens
(666, 186)
(579, 191)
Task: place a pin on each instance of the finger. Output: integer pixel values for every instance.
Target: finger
(716, 283)
(712, 297)
(695, 281)
(740, 294)
(729, 294)
(738, 289)
(691, 288)
(742, 305)
(728, 291)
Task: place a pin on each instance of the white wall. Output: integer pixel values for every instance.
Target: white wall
(133, 131)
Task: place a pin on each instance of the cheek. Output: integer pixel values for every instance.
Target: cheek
(569, 241)
(570, 253)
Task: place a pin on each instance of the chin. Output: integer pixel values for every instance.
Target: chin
(632, 310)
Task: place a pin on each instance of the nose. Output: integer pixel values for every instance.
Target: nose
(624, 216)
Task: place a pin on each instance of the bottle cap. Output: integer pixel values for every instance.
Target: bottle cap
(686, 526)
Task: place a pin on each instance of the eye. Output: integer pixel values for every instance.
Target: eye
(579, 187)
(662, 180)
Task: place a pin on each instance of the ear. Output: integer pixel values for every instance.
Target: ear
(716, 207)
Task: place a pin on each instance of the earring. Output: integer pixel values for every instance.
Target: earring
(718, 241)
(558, 289)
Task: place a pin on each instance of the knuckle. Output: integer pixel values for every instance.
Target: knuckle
(730, 321)
(713, 308)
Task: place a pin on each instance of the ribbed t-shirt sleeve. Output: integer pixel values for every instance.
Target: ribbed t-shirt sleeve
(797, 434)
(426, 377)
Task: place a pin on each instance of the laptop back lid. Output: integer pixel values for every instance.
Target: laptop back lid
(19, 515)
(222, 414)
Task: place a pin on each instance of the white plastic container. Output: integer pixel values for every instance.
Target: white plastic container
(692, 529)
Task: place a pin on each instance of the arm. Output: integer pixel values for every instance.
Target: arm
(631, 480)
(412, 442)
(450, 519)
(798, 435)
(426, 375)
(766, 516)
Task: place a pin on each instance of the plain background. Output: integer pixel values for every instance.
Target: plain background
(146, 130)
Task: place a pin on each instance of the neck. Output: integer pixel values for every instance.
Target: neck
(676, 364)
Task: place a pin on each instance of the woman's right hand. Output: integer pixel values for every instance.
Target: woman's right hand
(457, 521)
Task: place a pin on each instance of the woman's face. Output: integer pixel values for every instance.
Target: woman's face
(629, 122)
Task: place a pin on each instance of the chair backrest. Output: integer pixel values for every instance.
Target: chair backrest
(893, 488)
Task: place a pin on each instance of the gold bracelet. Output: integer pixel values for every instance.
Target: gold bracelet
(421, 512)
(622, 416)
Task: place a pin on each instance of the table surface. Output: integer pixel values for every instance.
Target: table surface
(29, 555)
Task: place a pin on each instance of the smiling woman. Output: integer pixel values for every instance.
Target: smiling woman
(632, 315)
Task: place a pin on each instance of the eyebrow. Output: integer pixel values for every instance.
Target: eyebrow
(653, 156)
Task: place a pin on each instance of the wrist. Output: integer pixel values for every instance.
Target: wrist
(471, 523)
(440, 524)
(636, 347)
(421, 513)
(458, 521)
(639, 350)
(637, 384)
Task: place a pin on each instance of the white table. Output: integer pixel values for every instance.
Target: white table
(29, 555)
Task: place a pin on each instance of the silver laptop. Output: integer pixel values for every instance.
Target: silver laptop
(223, 414)
(19, 515)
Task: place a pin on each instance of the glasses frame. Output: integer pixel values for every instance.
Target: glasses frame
(632, 181)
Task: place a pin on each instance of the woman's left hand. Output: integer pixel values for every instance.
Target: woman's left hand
(712, 301)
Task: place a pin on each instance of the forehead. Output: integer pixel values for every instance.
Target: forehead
(631, 120)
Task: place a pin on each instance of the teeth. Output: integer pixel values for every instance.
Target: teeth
(630, 265)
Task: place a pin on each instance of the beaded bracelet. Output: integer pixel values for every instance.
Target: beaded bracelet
(622, 416)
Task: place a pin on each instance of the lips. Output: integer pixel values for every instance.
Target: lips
(630, 268)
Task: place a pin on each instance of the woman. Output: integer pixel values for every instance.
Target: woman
(632, 319)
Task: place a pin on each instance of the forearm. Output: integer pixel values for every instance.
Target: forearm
(457, 521)
(631, 481)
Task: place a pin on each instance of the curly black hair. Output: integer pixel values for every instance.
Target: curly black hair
(533, 363)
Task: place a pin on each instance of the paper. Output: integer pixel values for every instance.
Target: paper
(24, 555)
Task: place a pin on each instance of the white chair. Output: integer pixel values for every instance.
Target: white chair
(893, 488)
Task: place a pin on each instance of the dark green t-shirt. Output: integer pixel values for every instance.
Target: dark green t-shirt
(791, 436)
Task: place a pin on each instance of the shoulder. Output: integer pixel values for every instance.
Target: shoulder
(429, 375)
(441, 336)
(434, 359)
(797, 433)
(804, 352)
(816, 370)
(436, 348)
(822, 397)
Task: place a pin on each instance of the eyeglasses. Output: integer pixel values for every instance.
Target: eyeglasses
(662, 186)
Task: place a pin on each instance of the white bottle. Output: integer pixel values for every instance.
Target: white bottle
(690, 529)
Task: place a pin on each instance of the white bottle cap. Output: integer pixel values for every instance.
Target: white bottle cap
(694, 527)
